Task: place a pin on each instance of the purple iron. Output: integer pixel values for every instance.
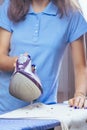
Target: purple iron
(25, 84)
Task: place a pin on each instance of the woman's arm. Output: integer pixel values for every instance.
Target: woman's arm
(6, 62)
(79, 61)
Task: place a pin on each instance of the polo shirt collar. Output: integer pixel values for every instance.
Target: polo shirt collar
(51, 9)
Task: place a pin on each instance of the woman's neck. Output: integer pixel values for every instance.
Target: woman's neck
(39, 5)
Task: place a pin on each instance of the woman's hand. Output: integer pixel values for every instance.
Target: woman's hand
(80, 72)
(78, 101)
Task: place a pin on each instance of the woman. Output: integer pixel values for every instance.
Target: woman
(43, 29)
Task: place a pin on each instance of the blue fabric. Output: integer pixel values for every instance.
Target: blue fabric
(44, 36)
(28, 124)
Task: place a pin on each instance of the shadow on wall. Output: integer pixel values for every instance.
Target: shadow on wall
(66, 85)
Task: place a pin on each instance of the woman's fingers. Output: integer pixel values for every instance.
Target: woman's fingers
(85, 103)
(74, 102)
(78, 102)
(81, 102)
(15, 59)
(71, 102)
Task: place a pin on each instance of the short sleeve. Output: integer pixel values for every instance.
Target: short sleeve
(4, 20)
(77, 27)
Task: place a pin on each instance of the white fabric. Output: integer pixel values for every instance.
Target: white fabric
(83, 4)
(70, 118)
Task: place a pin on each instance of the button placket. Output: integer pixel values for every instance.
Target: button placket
(36, 29)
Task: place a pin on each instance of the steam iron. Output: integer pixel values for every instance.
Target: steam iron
(25, 84)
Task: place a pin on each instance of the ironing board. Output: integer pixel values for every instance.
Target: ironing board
(39, 116)
(27, 124)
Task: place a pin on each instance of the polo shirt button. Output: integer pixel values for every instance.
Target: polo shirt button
(36, 31)
(37, 25)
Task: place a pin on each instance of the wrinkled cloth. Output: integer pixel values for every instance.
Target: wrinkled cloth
(69, 117)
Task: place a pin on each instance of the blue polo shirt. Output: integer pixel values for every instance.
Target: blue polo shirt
(44, 36)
